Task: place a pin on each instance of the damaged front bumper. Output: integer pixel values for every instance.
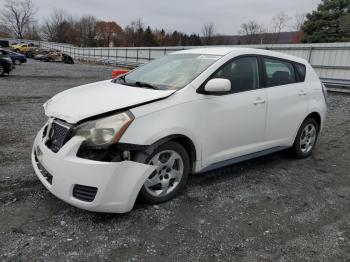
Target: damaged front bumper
(88, 184)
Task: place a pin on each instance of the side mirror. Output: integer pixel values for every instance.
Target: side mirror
(217, 86)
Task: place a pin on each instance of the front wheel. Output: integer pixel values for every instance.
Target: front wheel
(306, 138)
(170, 176)
(17, 62)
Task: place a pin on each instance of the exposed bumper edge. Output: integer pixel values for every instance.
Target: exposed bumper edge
(118, 183)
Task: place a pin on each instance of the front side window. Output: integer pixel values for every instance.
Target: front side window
(279, 72)
(170, 72)
(242, 72)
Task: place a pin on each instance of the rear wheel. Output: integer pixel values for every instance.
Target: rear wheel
(17, 62)
(306, 138)
(170, 176)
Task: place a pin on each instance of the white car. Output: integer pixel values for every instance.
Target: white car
(142, 134)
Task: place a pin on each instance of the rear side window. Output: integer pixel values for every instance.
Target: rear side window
(301, 69)
(242, 72)
(279, 72)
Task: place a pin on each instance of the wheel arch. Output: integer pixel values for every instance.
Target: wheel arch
(183, 140)
(316, 116)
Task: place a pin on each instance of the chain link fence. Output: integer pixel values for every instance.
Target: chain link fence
(330, 60)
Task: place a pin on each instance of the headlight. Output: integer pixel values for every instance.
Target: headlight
(8, 59)
(105, 131)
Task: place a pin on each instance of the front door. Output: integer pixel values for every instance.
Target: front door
(234, 124)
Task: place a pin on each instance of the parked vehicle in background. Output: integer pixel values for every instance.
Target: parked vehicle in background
(40, 54)
(196, 110)
(21, 48)
(4, 43)
(34, 51)
(118, 72)
(54, 56)
(17, 58)
(6, 65)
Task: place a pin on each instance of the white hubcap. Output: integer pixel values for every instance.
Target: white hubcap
(308, 138)
(168, 174)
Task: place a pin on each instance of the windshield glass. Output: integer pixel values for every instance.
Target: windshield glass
(169, 72)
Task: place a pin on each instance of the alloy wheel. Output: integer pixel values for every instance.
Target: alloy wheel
(168, 174)
(308, 138)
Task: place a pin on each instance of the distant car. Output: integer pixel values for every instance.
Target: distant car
(55, 56)
(118, 72)
(6, 65)
(16, 58)
(40, 54)
(34, 50)
(4, 43)
(21, 48)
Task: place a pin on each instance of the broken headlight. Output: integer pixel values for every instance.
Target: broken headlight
(105, 131)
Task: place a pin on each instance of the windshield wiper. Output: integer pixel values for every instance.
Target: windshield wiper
(138, 83)
(143, 84)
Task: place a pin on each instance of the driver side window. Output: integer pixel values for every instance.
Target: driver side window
(243, 74)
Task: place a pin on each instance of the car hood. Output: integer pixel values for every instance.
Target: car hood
(76, 104)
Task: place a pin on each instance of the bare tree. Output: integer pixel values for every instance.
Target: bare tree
(252, 32)
(279, 23)
(299, 20)
(51, 24)
(61, 27)
(87, 30)
(4, 31)
(32, 32)
(134, 33)
(17, 15)
(208, 32)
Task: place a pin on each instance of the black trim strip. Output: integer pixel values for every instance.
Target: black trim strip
(242, 158)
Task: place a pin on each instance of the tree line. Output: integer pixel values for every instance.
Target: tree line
(329, 23)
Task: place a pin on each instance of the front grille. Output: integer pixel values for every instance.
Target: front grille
(59, 134)
(84, 193)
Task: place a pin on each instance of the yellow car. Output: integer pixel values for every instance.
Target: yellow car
(21, 48)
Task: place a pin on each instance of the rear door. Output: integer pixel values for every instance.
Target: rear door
(287, 101)
(233, 124)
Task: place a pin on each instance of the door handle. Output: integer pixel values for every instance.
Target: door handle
(302, 93)
(259, 100)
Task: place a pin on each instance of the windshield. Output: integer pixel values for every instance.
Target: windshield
(171, 72)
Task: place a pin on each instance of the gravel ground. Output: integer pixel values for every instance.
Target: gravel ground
(273, 208)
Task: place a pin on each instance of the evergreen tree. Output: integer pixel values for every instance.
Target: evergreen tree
(149, 39)
(329, 23)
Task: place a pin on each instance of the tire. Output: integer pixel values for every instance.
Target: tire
(306, 138)
(17, 62)
(168, 180)
(2, 70)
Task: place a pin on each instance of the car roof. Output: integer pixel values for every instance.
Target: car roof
(209, 51)
(222, 51)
